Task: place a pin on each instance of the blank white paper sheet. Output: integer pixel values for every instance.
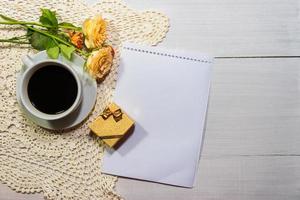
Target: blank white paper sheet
(166, 93)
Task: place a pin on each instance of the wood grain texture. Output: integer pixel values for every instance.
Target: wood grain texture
(228, 177)
(231, 27)
(7, 194)
(252, 143)
(254, 108)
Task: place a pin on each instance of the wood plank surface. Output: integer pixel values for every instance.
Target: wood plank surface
(228, 177)
(254, 108)
(231, 27)
(252, 143)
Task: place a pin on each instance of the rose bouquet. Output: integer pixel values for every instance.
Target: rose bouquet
(64, 38)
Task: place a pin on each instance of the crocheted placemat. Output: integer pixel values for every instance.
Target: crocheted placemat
(63, 165)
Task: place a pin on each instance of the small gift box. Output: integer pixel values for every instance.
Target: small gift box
(112, 125)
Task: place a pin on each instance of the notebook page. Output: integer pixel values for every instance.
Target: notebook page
(166, 92)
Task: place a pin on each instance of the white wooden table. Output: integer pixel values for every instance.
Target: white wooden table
(252, 141)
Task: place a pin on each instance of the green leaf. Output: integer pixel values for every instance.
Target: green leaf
(48, 18)
(41, 42)
(67, 51)
(67, 25)
(53, 52)
(29, 32)
(63, 36)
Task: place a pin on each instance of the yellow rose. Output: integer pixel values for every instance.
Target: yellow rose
(99, 62)
(94, 30)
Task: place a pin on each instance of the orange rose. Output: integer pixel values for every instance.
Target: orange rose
(99, 62)
(94, 30)
(76, 38)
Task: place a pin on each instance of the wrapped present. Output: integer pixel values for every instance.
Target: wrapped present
(112, 125)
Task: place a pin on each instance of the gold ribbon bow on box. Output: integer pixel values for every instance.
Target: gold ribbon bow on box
(117, 114)
(112, 125)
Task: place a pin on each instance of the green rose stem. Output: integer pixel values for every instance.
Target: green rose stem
(46, 34)
(58, 39)
(38, 24)
(14, 41)
(49, 35)
(26, 24)
(11, 21)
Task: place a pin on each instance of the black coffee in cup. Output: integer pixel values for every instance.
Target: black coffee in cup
(52, 89)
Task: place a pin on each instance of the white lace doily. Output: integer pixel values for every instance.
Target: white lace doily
(62, 165)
